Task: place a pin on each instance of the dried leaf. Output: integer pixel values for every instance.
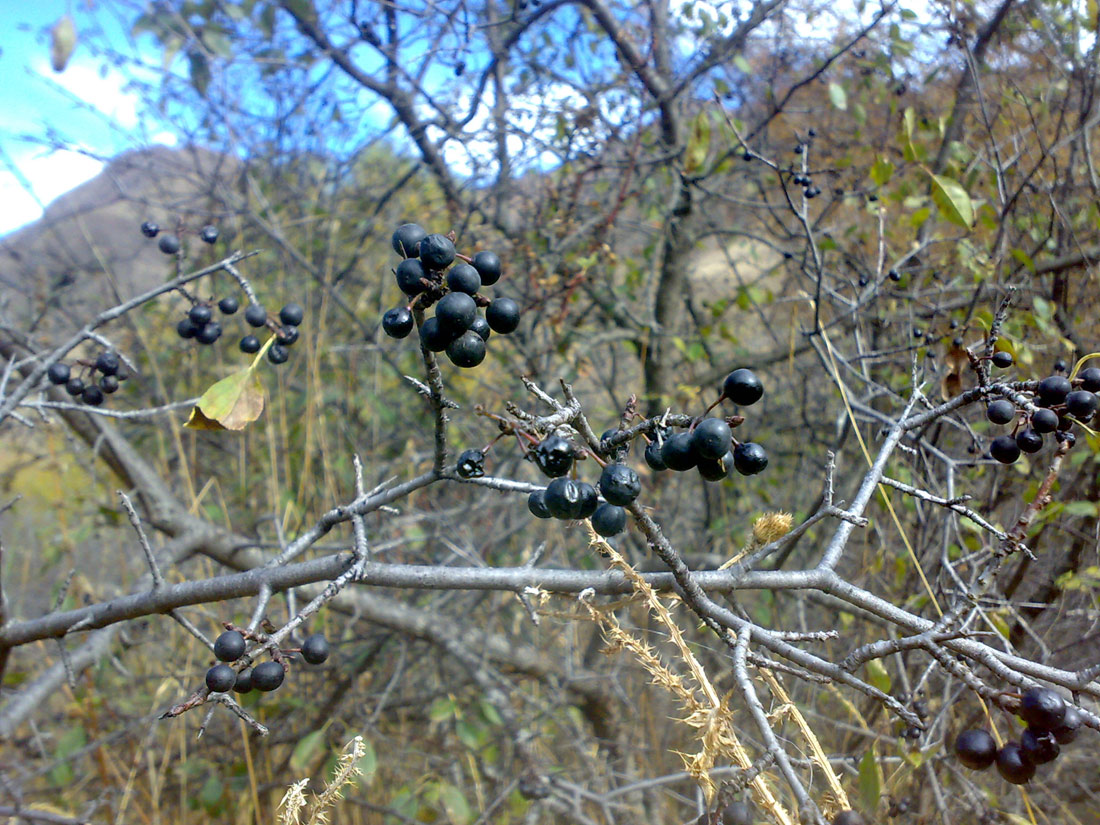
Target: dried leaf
(231, 404)
(62, 43)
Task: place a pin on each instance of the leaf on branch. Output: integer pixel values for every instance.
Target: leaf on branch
(953, 201)
(231, 404)
(200, 72)
(870, 780)
(698, 144)
(62, 42)
(838, 97)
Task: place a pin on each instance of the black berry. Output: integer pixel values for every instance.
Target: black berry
(186, 328)
(250, 344)
(653, 456)
(1044, 421)
(1042, 708)
(107, 363)
(742, 387)
(456, 311)
(715, 470)
(711, 438)
(169, 244)
(1012, 765)
(1082, 405)
(267, 676)
(292, 315)
(209, 234)
(74, 386)
(749, 458)
(463, 278)
(471, 464)
(437, 252)
(894, 275)
(406, 240)
(288, 335)
(848, 818)
(200, 314)
(315, 649)
(554, 456)
(409, 274)
(92, 395)
(1004, 449)
(1053, 390)
(619, 484)
(229, 646)
(221, 678)
(503, 315)
(1002, 359)
(467, 350)
(433, 337)
(481, 327)
(737, 813)
(487, 265)
(209, 333)
(1039, 746)
(1060, 365)
(536, 503)
(1071, 722)
(589, 500)
(678, 452)
(1000, 411)
(1063, 437)
(277, 354)
(244, 681)
(149, 229)
(563, 498)
(608, 520)
(255, 315)
(397, 322)
(109, 384)
(1029, 441)
(976, 749)
(1090, 379)
(228, 305)
(58, 373)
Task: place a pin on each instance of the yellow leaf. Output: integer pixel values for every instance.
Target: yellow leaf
(62, 43)
(231, 404)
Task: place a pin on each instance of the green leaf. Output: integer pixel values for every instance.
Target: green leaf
(741, 63)
(306, 751)
(870, 780)
(231, 404)
(877, 675)
(442, 708)
(211, 794)
(455, 804)
(953, 201)
(698, 144)
(881, 171)
(838, 96)
(1080, 508)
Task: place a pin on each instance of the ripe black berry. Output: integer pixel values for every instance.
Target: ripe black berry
(742, 387)
(471, 464)
(221, 678)
(1029, 441)
(200, 314)
(554, 456)
(287, 336)
(503, 315)
(848, 818)
(169, 244)
(292, 315)
(455, 312)
(653, 456)
(229, 646)
(1000, 411)
(277, 354)
(608, 520)
(619, 484)
(397, 322)
(711, 438)
(109, 384)
(463, 278)
(467, 350)
(92, 395)
(1044, 421)
(678, 452)
(1082, 405)
(715, 470)
(107, 363)
(149, 229)
(1042, 708)
(589, 500)
(1005, 449)
(209, 234)
(536, 503)
(1071, 722)
(1090, 379)
(433, 337)
(976, 749)
(209, 333)
(267, 676)
(1053, 390)
(737, 813)
(1012, 765)
(315, 649)
(1060, 365)
(1039, 746)
(74, 386)
(409, 274)
(406, 239)
(487, 265)
(481, 327)
(255, 315)
(436, 252)
(228, 305)
(250, 344)
(186, 328)
(563, 498)
(749, 458)
(1002, 359)
(894, 275)
(244, 681)
(58, 373)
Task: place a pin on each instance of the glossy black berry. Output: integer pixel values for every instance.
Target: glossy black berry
(1042, 708)
(255, 315)
(209, 234)
(1039, 746)
(292, 315)
(277, 354)
(1044, 421)
(467, 350)
(1000, 411)
(229, 646)
(1004, 449)
(58, 373)
(848, 818)
(1060, 365)
(749, 458)
(250, 344)
(409, 274)
(433, 337)
(463, 278)
(406, 239)
(1082, 405)
(563, 498)
(109, 384)
(711, 438)
(149, 229)
(976, 749)
(470, 464)
(186, 328)
(74, 386)
(200, 315)
(92, 395)
(481, 327)
(107, 363)
(1029, 441)
(436, 252)
(536, 504)
(554, 456)
(1071, 723)
(653, 456)
(243, 684)
(678, 452)
(1012, 765)
(455, 312)
(503, 315)
(588, 502)
(487, 265)
(619, 484)
(397, 322)
(1053, 390)
(221, 678)
(608, 520)
(267, 676)
(1090, 379)
(169, 244)
(742, 387)
(737, 813)
(1002, 359)
(228, 305)
(715, 470)
(288, 335)
(315, 649)
(209, 333)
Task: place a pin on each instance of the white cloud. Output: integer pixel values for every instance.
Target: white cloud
(50, 174)
(106, 92)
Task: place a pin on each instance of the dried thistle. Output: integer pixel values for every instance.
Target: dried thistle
(347, 769)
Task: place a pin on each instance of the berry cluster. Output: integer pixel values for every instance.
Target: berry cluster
(566, 499)
(1050, 724)
(92, 392)
(199, 324)
(1061, 403)
(423, 276)
(266, 676)
(169, 244)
